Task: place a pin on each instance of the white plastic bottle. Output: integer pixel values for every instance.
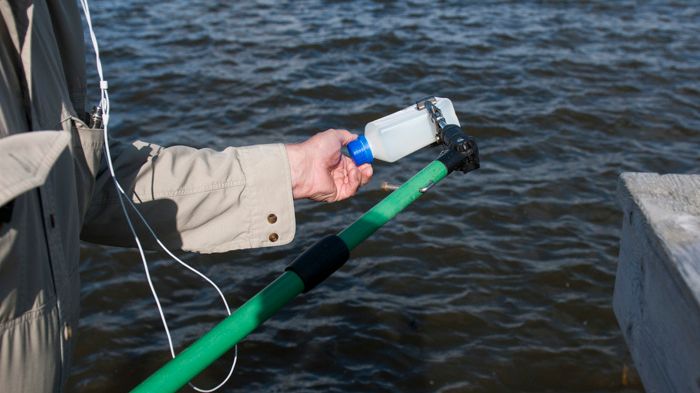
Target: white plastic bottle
(399, 134)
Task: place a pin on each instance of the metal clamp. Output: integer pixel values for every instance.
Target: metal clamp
(420, 104)
(462, 152)
(430, 103)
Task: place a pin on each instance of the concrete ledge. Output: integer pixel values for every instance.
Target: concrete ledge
(657, 287)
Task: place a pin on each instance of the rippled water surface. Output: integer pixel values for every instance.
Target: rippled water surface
(497, 281)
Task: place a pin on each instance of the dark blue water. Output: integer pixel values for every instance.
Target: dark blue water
(498, 281)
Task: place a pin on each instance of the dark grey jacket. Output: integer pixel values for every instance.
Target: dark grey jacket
(54, 191)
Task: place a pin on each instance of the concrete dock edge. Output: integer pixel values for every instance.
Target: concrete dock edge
(657, 286)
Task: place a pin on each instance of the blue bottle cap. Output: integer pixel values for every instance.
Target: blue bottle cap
(360, 151)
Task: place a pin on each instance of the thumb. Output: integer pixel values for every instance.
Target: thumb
(344, 136)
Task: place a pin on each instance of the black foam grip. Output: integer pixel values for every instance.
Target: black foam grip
(319, 261)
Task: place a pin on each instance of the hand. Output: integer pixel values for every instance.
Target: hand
(320, 172)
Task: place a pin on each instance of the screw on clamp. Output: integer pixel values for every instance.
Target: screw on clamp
(420, 104)
(462, 152)
(430, 103)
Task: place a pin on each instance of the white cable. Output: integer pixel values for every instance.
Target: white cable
(104, 108)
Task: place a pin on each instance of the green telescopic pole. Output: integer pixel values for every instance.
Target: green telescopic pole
(203, 352)
(392, 205)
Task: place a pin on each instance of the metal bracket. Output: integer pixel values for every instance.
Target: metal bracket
(430, 104)
(462, 152)
(420, 104)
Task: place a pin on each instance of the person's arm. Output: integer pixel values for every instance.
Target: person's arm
(208, 201)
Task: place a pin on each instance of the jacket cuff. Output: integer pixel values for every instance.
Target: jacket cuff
(268, 194)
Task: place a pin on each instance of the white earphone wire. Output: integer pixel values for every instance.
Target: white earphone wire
(104, 108)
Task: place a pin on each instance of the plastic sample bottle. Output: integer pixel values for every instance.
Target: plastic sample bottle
(399, 134)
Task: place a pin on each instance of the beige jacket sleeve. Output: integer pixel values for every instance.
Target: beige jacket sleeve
(196, 199)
